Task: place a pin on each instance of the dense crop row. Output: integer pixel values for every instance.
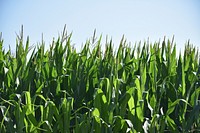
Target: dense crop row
(131, 89)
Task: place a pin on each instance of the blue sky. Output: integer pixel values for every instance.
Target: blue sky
(136, 19)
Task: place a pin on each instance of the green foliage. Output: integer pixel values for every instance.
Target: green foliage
(139, 89)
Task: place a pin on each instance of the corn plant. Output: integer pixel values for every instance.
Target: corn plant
(144, 88)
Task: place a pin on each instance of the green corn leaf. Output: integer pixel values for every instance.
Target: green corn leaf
(172, 124)
(194, 97)
(30, 109)
(173, 105)
(96, 115)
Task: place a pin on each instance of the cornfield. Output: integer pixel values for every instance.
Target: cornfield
(144, 88)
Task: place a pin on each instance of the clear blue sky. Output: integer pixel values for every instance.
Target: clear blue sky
(136, 19)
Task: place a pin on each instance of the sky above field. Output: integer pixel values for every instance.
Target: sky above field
(136, 19)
